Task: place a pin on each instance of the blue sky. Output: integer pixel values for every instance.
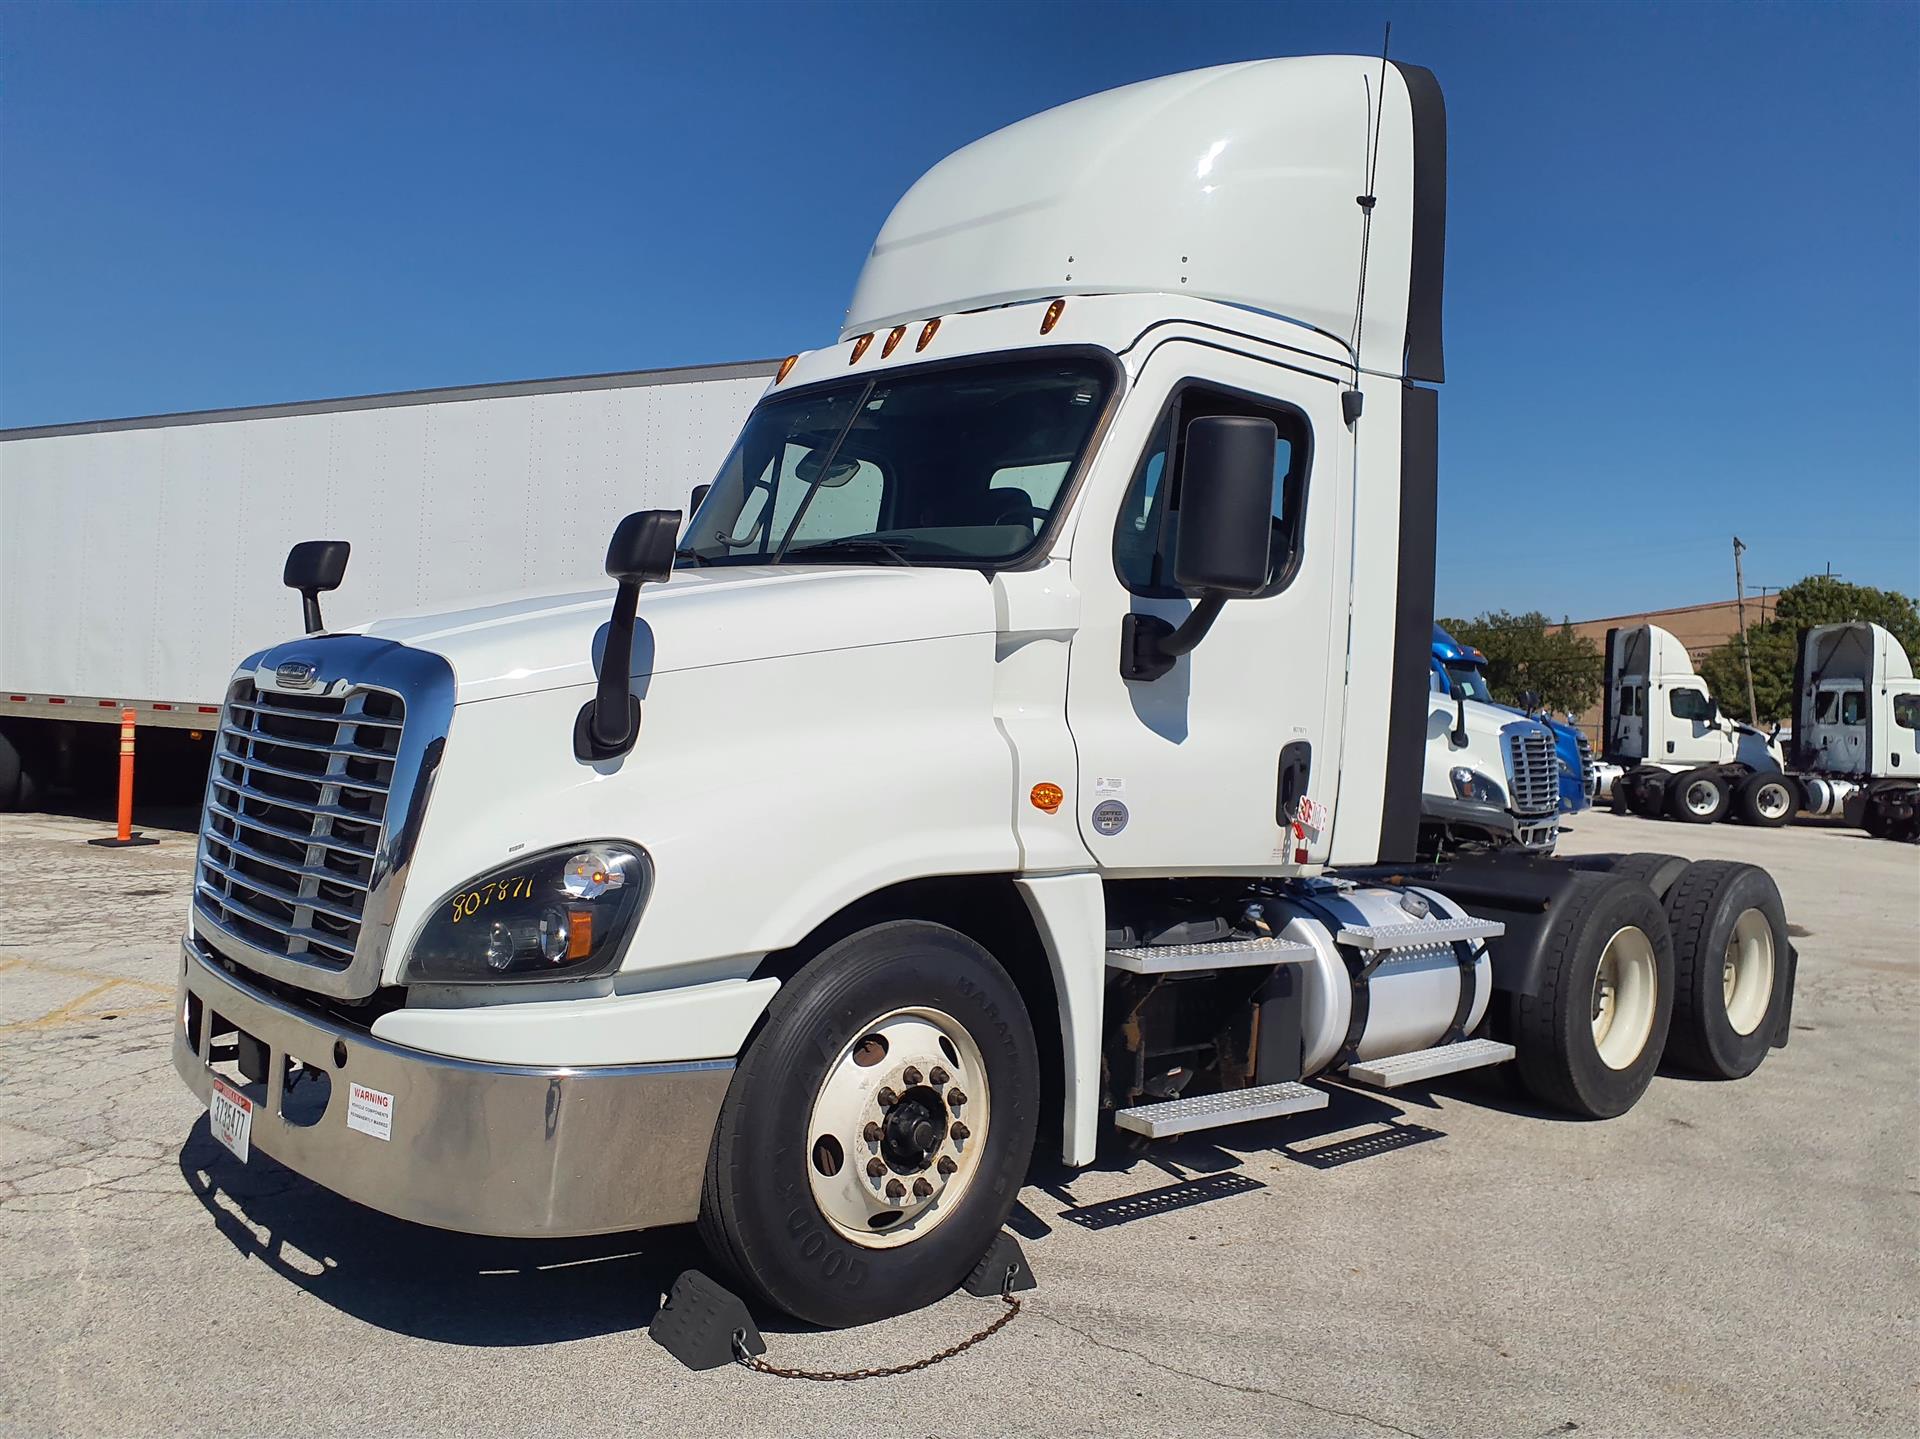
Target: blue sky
(1683, 290)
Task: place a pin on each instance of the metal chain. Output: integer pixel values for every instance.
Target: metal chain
(760, 1366)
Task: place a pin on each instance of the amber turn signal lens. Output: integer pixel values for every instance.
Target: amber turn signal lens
(859, 348)
(1052, 317)
(1047, 797)
(898, 334)
(786, 368)
(927, 332)
(579, 933)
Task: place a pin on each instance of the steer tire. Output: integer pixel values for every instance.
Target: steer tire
(1766, 799)
(1698, 798)
(1729, 929)
(1558, 1049)
(761, 1211)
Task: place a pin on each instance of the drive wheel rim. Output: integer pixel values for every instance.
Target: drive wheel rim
(1701, 797)
(897, 1128)
(1746, 973)
(1625, 989)
(1772, 800)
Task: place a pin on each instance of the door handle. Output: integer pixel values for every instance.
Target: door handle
(1296, 769)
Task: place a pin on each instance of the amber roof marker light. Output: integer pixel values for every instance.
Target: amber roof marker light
(860, 348)
(786, 368)
(927, 332)
(1052, 317)
(898, 333)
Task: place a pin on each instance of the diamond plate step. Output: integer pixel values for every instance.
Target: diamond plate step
(1223, 954)
(1211, 1111)
(1398, 1069)
(1419, 934)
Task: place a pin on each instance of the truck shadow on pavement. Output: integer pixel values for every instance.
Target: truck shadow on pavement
(431, 1283)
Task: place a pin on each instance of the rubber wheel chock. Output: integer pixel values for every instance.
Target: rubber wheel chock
(989, 1277)
(697, 1321)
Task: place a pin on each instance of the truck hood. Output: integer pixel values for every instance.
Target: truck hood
(518, 644)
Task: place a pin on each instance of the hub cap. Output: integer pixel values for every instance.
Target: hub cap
(1746, 975)
(897, 1128)
(1772, 800)
(1702, 797)
(1625, 987)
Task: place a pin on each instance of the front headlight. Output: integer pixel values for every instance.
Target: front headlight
(564, 914)
(1471, 784)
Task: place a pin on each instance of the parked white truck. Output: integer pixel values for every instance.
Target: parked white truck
(1028, 732)
(1855, 747)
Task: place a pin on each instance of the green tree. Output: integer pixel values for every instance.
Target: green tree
(1530, 652)
(1816, 600)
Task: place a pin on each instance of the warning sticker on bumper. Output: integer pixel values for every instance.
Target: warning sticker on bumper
(370, 1111)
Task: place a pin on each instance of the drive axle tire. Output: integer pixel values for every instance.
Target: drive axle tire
(1767, 800)
(877, 1130)
(1590, 1040)
(1730, 967)
(1698, 798)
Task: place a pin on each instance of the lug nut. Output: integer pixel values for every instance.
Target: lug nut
(956, 1096)
(959, 1130)
(910, 1075)
(887, 1097)
(946, 1164)
(938, 1077)
(871, 1133)
(921, 1189)
(896, 1190)
(876, 1166)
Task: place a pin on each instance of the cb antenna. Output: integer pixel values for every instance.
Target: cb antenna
(1376, 113)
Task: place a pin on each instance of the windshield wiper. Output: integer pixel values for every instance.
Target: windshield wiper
(861, 546)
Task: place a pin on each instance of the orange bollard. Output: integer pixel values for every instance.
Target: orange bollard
(124, 835)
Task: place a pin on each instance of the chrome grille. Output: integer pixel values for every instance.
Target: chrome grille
(1533, 770)
(297, 805)
(1588, 774)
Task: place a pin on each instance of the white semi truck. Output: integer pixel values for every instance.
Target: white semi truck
(139, 556)
(1854, 750)
(1025, 734)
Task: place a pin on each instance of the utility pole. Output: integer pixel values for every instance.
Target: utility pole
(1740, 604)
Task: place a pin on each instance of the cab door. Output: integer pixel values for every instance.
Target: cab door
(1199, 769)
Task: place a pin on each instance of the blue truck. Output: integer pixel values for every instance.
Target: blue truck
(1462, 670)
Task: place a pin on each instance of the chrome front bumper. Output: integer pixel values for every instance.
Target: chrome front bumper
(479, 1148)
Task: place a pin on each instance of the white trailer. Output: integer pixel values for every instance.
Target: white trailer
(1025, 735)
(137, 557)
(1855, 747)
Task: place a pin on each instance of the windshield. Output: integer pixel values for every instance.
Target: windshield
(952, 466)
(1468, 681)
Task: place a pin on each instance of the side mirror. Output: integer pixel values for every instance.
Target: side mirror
(699, 494)
(1221, 547)
(1713, 710)
(641, 549)
(313, 568)
(1530, 700)
(1226, 505)
(1459, 736)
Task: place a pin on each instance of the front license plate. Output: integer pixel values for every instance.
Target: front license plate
(230, 1113)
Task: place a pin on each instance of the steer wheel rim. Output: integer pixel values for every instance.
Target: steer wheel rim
(1772, 800)
(1746, 973)
(1702, 797)
(1625, 991)
(887, 1173)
